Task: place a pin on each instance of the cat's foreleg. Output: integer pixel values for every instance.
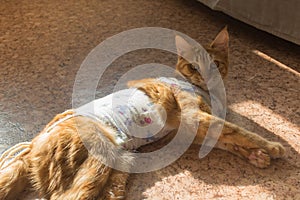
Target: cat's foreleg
(256, 149)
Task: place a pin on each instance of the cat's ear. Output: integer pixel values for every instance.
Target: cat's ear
(184, 49)
(221, 42)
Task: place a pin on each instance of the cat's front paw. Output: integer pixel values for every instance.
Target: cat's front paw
(276, 150)
(259, 158)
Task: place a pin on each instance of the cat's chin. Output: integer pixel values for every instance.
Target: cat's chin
(202, 86)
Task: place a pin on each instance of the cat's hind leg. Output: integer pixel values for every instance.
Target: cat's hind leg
(88, 182)
(14, 179)
(78, 159)
(116, 187)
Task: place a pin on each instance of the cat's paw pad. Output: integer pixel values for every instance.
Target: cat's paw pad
(259, 158)
(276, 150)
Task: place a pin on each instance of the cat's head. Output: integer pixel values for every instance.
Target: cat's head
(218, 51)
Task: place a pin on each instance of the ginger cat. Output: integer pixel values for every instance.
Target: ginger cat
(59, 167)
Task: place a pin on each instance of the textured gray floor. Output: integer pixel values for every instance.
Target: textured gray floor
(43, 43)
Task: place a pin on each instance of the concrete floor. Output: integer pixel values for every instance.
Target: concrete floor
(43, 43)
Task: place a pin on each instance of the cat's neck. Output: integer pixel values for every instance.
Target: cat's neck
(181, 84)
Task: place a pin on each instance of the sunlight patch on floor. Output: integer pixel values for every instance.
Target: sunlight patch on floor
(185, 181)
(279, 64)
(269, 120)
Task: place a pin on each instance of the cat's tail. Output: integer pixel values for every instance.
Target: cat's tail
(14, 171)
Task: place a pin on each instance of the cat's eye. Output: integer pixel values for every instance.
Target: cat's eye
(193, 67)
(217, 63)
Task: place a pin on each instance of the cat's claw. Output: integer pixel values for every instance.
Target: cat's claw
(259, 158)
